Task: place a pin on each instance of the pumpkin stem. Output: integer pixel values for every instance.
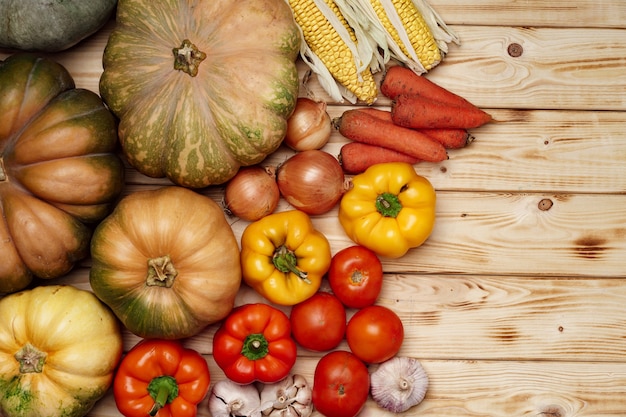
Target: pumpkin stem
(161, 272)
(31, 359)
(187, 58)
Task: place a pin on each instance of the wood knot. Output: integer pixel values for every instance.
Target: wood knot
(552, 411)
(545, 204)
(515, 50)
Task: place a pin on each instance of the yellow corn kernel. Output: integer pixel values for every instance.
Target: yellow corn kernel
(420, 35)
(324, 40)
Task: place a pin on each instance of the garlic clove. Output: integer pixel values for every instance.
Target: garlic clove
(399, 384)
(229, 399)
(290, 397)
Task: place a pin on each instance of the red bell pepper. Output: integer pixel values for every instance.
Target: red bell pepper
(254, 343)
(161, 378)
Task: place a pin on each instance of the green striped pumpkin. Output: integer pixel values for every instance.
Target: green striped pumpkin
(201, 87)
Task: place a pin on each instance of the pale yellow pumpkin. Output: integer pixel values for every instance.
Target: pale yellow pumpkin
(59, 348)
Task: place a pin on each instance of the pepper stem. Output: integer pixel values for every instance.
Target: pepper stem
(388, 205)
(255, 346)
(163, 390)
(286, 261)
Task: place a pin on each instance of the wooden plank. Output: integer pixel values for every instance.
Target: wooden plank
(572, 14)
(559, 68)
(532, 151)
(510, 233)
(535, 234)
(576, 69)
(506, 233)
(483, 317)
(489, 389)
(527, 151)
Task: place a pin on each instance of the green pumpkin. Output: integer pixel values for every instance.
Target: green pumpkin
(59, 173)
(51, 25)
(201, 87)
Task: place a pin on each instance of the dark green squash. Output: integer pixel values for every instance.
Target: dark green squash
(51, 25)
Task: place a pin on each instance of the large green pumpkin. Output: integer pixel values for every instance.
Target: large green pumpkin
(201, 87)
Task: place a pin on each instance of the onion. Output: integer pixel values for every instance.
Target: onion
(252, 193)
(309, 126)
(311, 181)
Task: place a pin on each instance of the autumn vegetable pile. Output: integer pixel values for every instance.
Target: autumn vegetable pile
(201, 93)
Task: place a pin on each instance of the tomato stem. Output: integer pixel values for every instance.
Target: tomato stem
(163, 390)
(357, 277)
(286, 261)
(255, 346)
(388, 205)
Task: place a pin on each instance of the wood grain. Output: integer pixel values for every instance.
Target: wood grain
(492, 389)
(539, 13)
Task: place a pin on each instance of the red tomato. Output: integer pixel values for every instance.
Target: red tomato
(375, 334)
(340, 384)
(356, 276)
(318, 323)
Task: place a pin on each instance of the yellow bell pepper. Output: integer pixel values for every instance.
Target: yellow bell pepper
(390, 209)
(283, 257)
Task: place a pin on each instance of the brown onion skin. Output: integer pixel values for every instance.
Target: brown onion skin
(252, 193)
(309, 127)
(311, 181)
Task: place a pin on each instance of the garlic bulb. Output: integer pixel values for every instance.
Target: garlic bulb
(229, 399)
(398, 384)
(290, 397)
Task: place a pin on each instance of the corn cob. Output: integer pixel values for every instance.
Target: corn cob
(415, 34)
(331, 42)
(419, 35)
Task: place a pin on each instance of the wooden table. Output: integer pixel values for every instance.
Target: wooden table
(516, 305)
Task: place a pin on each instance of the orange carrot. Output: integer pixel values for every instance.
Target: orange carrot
(356, 157)
(377, 113)
(450, 138)
(418, 112)
(401, 80)
(362, 127)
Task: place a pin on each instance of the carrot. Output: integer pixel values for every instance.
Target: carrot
(362, 127)
(356, 157)
(401, 80)
(377, 113)
(418, 112)
(450, 138)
